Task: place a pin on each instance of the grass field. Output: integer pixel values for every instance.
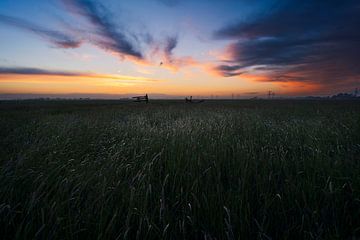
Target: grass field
(169, 170)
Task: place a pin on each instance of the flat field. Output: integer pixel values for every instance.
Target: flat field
(276, 169)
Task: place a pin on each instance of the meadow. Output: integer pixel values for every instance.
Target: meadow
(245, 169)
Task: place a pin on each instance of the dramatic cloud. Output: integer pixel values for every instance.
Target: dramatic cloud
(108, 36)
(314, 41)
(59, 39)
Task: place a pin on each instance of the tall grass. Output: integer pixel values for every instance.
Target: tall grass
(168, 170)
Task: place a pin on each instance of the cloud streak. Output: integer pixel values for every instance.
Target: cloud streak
(107, 35)
(11, 71)
(299, 41)
(57, 38)
(36, 71)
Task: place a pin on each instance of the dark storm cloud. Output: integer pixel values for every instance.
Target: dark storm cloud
(109, 36)
(35, 71)
(303, 40)
(59, 39)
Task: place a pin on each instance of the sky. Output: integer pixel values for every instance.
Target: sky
(176, 48)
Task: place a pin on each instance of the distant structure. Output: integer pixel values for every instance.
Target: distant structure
(271, 94)
(353, 95)
(356, 92)
(141, 98)
(190, 100)
(345, 96)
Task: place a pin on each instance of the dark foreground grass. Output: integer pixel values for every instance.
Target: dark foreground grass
(168, 170)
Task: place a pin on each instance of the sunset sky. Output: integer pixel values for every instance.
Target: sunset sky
(179, 47)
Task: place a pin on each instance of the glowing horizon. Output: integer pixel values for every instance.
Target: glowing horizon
(179, 48)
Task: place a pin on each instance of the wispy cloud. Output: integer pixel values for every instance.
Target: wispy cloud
(170, 45)
(165, 50)
(107, 35)
(57, 38)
